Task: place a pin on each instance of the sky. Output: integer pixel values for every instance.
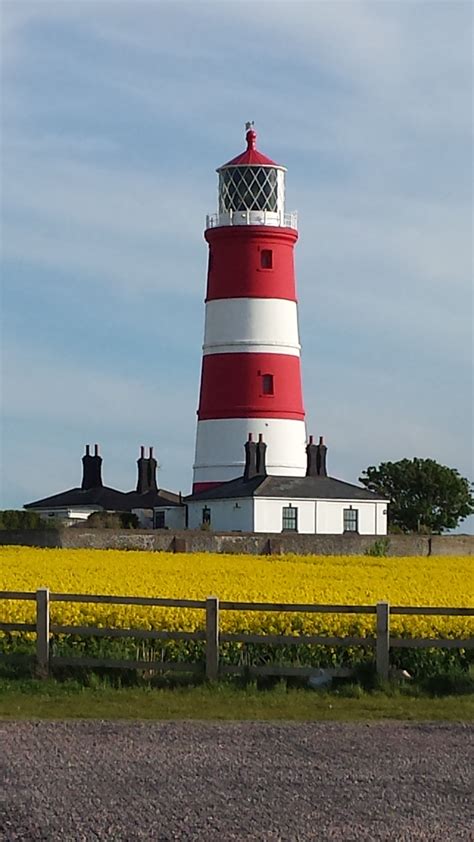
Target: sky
(115, 116)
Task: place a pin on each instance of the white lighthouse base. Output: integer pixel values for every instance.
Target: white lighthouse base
(220, 447)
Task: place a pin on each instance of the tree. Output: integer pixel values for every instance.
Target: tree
(424, 496)
(19, 519)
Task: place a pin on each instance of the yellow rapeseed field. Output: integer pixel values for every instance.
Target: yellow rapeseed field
(312, 579)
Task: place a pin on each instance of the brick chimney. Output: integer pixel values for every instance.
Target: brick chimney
(142, 480)
(91, 469)
(312, 452)
(321, 458)
(147, 468)
(261, 456)
(152, 468)
(250, 470)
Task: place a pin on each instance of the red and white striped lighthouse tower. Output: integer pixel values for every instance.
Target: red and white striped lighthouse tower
(250, 379)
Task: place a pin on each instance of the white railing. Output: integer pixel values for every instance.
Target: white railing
(278, 219)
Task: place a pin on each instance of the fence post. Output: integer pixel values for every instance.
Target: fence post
(383, 640)
(42, 632)
(212, 638)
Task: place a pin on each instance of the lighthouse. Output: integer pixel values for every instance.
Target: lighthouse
(250, 375)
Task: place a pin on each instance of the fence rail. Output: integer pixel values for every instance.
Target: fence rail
(382, 641)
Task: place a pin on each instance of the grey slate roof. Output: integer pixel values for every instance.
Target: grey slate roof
(107, 498)
(326, 488)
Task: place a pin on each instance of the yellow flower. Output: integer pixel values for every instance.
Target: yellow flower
(364, 580)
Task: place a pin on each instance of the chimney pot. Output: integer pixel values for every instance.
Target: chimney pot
(88, 450)
(260, 437)
(151, 453)
(96, 450)
(142, 452)
(311, 439)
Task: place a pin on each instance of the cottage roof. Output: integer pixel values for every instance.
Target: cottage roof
(316, 487)
(109, 499)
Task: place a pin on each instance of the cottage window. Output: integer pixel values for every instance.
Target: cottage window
(290, 519)
(160, 520)
(206, 515)
(351, 520)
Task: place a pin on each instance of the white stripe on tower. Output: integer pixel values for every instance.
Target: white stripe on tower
(251, 325)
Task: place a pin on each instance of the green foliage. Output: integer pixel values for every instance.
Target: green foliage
(13, 519)
(379, 548)
(112, 520)
(425, 497)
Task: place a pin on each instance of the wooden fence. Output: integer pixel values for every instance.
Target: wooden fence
(382, 641)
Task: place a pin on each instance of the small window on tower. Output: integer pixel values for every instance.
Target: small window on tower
(266, 259)
(267, 384)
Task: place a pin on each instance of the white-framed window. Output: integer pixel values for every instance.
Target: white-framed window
(289, 519)
(351, 520)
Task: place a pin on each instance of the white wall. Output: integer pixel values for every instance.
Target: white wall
(265, 514)
(68, 514)
(330, 516)
(226, 515)
(269, 514)
(175, 516)
(382, 510)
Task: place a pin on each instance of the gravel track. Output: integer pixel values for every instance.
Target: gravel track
(87, 780)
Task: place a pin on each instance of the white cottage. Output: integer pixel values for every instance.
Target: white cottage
(256, 502)
(314, 505)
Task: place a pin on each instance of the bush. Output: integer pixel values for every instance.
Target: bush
(113, 520)
(13, 519)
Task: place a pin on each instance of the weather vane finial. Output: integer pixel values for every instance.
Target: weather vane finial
(249, 125)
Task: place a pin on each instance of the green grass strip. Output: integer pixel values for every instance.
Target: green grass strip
(30, 699)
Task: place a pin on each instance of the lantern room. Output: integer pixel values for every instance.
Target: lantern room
(251, 190)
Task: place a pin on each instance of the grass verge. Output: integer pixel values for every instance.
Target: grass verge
(30, 699)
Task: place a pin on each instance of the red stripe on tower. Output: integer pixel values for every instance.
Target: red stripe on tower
(250, 386)
(251, 378)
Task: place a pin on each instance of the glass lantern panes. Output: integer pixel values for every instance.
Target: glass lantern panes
(248, 189)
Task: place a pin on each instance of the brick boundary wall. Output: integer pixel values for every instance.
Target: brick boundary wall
(221, 542)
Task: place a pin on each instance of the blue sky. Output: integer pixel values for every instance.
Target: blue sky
(115, 116)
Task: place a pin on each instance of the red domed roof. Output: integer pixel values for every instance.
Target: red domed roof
(251, 156)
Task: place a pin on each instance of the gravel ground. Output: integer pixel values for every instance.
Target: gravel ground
(234, 781)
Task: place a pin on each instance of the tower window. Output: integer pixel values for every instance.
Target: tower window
(266, 259)
(289, 519)
(267, 384)
(351, 520)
